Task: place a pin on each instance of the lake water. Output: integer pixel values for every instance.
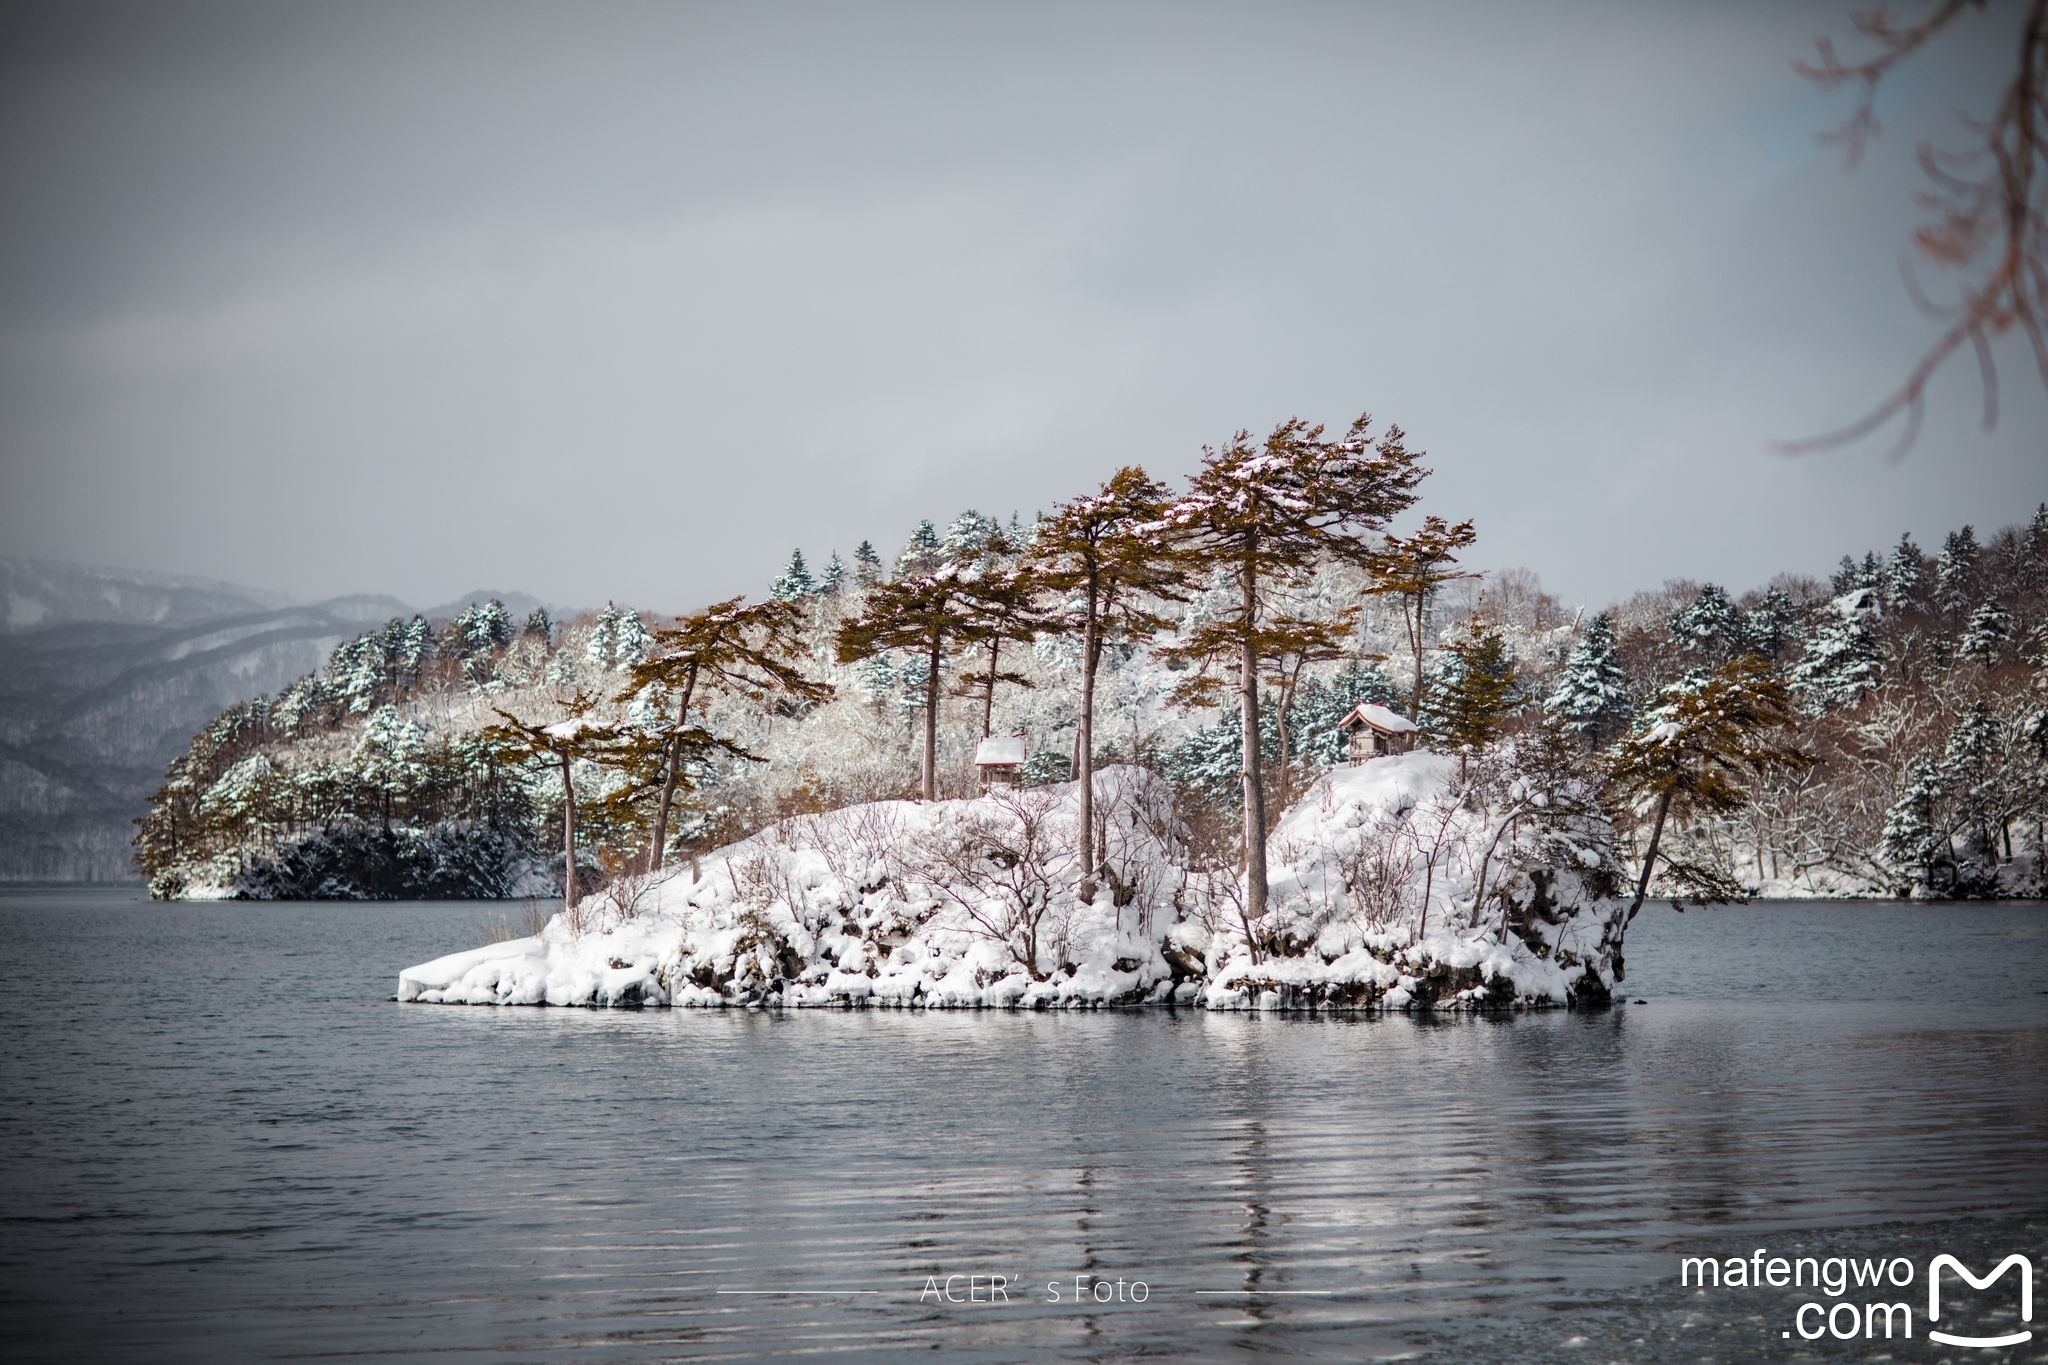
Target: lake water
(221, 1139)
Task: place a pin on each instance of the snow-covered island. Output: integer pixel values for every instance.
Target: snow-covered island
(1411, 881)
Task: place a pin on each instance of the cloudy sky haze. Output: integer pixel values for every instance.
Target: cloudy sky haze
(622, 301)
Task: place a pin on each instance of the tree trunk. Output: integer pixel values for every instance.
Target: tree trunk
(1649, 859)
(1084, 748)
(988, 698)
(931, 725)
(1415, 646)
(568, 837)
(1254, 796)
(672, 778)
(1286, 747)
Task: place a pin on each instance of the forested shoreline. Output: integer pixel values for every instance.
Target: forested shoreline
(1899, 744)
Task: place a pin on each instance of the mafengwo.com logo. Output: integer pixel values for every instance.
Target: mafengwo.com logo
(1865, 1301)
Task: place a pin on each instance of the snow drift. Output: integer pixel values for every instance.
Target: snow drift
(1394, 884)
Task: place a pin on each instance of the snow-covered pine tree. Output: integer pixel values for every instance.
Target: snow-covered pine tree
(920, 553)
(1840, 665)
(1969, 775)
(1412, 569)
(1909, 846)
(1846, 576)
(1989, 636)
(597, 645)
(1904, 574)
(1770, 625)
(794, 583)
(1274, 512)
(483, 626)
(354, 672)
(1592, 693)
(1955, 572)
(867, 565)
(969, 539)
(1692, 756)
(1480, 692)
(387, 758)
(539, 627)
(834, 576)
(1709, 625)
(2033, 575)
(415, 644)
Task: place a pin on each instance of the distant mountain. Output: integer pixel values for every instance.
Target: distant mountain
(106, 674)
(35, 593)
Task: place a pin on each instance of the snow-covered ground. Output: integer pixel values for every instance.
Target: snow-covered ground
(976, 903)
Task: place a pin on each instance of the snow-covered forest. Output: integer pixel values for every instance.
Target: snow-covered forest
(1883, 733)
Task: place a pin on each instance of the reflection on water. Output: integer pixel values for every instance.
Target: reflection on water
(223, 1140)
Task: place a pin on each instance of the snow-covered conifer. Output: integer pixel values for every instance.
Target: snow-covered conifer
(1908, 845)
(1955, 572)
(795, 581)
(484, 626)
(834, 576)
(1989, 636)
(970, 537)
(1770, 625)
(1592, 694)
(1904, 574)
(921, 553)
(867, 566)
(1840, 665)
(539, 626)
(1709, 625)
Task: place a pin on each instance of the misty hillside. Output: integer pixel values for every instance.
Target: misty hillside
(105, 675)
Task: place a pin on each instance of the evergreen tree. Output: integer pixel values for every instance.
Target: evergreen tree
(1969, 775)
(1709, 625)
(1988, 637)
(618, 639)
(355, 672)
(1909, 845)
(1412, 569)
(1480, 689)
(867, 566)
(1904, 575)
(539, 627)
(1770, 625)
(1005, 609)
(1955, 572)
(415, 644)
(2033, 568)
(388, 758)
(1846, 577)
(794, 582)
(1209, 764)
(1692, 756)
(731, 648)
(1840, 665)
(1097, 559)
(834, 576)
(930, 613)
(1266, 514)
(555, 746)
(483, 627)
(1592, 694)
(972, 539)
(921, 555)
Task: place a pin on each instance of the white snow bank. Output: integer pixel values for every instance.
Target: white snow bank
(978, 904)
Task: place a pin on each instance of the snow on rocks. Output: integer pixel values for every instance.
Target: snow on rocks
(976, 904)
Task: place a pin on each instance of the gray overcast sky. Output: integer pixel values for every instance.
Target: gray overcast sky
(607, 300)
